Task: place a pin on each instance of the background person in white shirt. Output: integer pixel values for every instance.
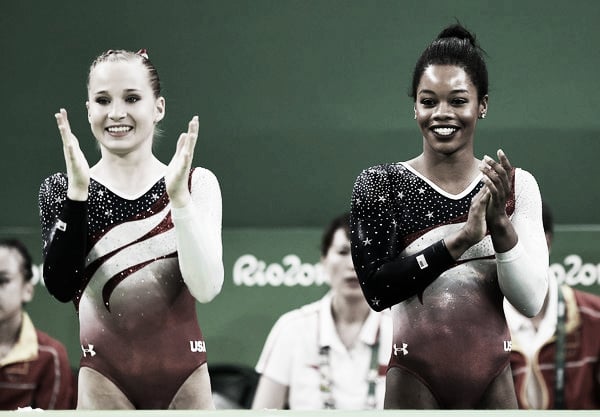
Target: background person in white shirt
(332, 353)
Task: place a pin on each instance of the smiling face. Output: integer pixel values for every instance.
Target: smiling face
(447, 109)
(339, 267)
(122, 108)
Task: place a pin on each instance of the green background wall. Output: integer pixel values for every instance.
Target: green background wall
(295, 98)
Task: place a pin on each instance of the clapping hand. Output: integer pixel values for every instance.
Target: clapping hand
(498, 179)
(78, 170)
(176, 177)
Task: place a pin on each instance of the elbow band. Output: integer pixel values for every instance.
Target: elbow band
(64, 259)
(74, 212)
(423, 266)
(410, 275)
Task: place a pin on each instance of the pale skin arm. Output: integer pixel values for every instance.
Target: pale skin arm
(198, 234)
(521, 267)
(269, 394)
(176, 177)
(78, 169)
(521, 253)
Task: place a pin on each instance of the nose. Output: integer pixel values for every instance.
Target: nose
(348, 262)
(442, 111)
(117, 112)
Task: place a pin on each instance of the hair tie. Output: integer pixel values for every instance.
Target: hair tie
(143, 53)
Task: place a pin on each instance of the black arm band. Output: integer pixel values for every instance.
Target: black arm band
(405, 277)
(65, 256)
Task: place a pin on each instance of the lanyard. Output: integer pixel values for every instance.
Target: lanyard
(373, 373)
(326, 384)
(559, 385)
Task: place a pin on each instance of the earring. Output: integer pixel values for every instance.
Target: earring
(483, 114)
(415, 114)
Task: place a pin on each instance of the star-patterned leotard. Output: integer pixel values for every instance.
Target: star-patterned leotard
(449, 329)
(138, 322)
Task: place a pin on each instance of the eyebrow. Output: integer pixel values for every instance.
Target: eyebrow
(128, 90)
(457, 91)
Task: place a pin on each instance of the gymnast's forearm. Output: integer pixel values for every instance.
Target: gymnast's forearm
(397, 280)
(64, 258)
(199, 250)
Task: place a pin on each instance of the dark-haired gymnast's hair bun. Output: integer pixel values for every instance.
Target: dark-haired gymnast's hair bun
(457, 31)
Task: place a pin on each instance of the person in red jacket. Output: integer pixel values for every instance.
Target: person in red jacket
(554, 356)
(34, 368)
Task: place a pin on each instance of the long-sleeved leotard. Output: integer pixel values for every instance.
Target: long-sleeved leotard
(449, 327)
(119, 260)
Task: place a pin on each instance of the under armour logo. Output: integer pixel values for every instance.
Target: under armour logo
(90, 350)
(508, 345)
(197, 346)
(401, 349)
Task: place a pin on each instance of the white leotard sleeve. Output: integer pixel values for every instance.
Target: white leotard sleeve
(522, 270)
(198, 233)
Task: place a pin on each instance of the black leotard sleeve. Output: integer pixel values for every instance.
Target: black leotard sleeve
(386, 278)
(64, 228)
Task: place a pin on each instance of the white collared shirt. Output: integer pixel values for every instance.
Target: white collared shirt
(291, 357)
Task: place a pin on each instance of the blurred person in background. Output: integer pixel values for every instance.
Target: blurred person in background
(554, 356)
(34, 368)
(332, 353)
